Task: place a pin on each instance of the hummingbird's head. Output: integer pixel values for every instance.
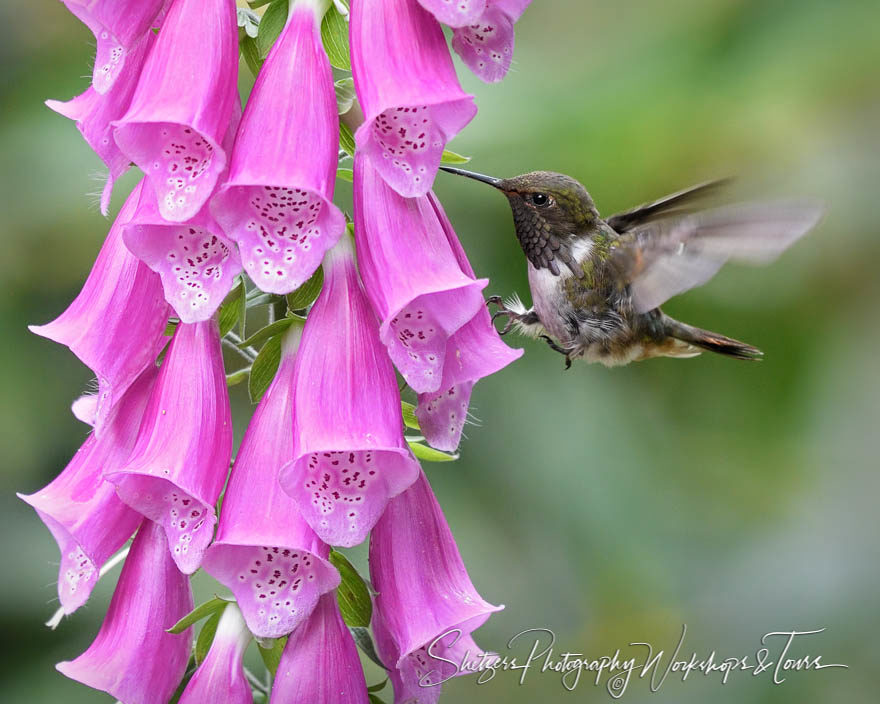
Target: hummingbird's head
(543, 200)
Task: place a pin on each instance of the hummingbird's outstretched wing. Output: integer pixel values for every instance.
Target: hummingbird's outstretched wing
(669, 256)
(679, 203)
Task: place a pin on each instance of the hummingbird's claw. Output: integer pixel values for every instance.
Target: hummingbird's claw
(495, 300)
(510, 316)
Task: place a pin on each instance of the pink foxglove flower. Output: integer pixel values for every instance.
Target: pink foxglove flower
(93, 112)
(85, 516)
(118, 26)
(220, 677)
(455, 13)
(320, 663)
(351, 457)
(473, 352)
(265, 552)
(180, 461)
(116, 324)
(183, 105)
(424, 591)
(486, 44)
(411, 274)
(133, 658)
(195, 260)
(418, 677)
(278, 200)
(408, 90)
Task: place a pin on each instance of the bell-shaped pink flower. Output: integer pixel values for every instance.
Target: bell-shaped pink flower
(118, 26)
(408, 90)
(433, 595)
(220, 677)
(320, 663)
(183, 105)
(351, 457)
(93, 112)
(116, 324)
(265, 552)
(473, 352)
(278, 200)
(455, 13)
(486, 44)
(133, 658)
(411, 275)
(85, 516)
(180, 461)
(195, 260)
(418, 677)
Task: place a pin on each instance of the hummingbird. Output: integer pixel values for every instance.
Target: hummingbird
(597, 283)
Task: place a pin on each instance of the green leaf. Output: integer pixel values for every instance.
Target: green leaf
(259, 3)
(206, 636)
(230, 310)
(238, 376)
(429, 454)
(409, 415)
(344, 94)
(264, 368)
(306, 294)
(271, 330)
(451, 158)
(334, 33)
(272, 656)
(378, 687)
(271, 24)
(346, 139)
(345, 175)
(375, 699)
(197, 614)
(248, 21)
(365, 643)
(352, 593)
(251, 54)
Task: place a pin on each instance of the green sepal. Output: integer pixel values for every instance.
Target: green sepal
(429, 454)
(365, 643)
(197, 614)
(352, 594)
(345, 94)
(272, 656)
(171, 327)
(258, 3)
(264, 367)
(306, 294)
(375, 699)
(236, 377)
(251, 54)
(271, 24)
(450, 158)
(271, 330)
(345, 174)
(409, 416)
(378, 687)
(206, 637)
(346, 139)
(231, 309)
(334, 34)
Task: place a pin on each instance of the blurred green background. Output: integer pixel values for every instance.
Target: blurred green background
(608, 505)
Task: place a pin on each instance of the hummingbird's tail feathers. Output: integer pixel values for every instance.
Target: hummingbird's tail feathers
(711, 341)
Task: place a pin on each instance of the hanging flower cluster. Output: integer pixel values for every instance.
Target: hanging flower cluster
(235, 213)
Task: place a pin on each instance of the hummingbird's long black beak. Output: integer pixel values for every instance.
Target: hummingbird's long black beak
(496, 182)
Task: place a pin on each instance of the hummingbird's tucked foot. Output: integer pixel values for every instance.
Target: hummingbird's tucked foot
(556, 348)
(525, 320)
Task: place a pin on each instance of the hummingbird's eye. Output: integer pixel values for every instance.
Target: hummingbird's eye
(540, 199)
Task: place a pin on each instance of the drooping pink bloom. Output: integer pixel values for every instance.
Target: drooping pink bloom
(320, 663)
(220, 677)
(486, 44)
(408, 90)
(85, 409)
(433, 595)
(133, 658)
(473, 352)
(118, 26)
(180, 460)
(265, 552)
(116, 323)
(351, 457)
(195, 260)
(183, 105)
(86, 518)
(455, 13)
(418, 677)
(93, 112)
(411, 274)
(278, 200)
